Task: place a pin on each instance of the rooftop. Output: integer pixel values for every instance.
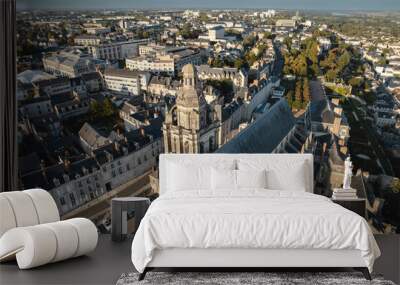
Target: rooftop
(122, 73)
(265, 134)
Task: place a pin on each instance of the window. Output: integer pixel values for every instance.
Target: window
(62, 201)
(72, 198)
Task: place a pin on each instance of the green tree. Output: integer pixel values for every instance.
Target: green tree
(331, 75)
(306, 90)
(343, 60)
(299, 66)
(108, 108)
(217, 62)
(298, 95)
(240, 63)
(203, 17)
(289, 97)
(356, 82)
(95, 110)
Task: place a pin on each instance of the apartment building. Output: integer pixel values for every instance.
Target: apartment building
(87, 40)
(116, 50)
(154, 65)
(125, 81)
(69, 63)
(96, 29)
(168, 61)
(73, 184)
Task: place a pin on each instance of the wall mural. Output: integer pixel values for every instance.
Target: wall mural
(102, 93)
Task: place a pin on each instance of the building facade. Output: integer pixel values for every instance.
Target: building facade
(126, 82)
(116, 50)
(190, 126)
(151, 64)
(68, 63)
(238, 77)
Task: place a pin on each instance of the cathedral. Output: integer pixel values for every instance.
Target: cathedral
(191, 125)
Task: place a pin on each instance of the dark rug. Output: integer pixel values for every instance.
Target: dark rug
(243, 278)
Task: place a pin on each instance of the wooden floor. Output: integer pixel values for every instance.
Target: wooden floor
(110, 260)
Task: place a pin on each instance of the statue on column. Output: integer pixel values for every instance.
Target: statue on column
(348, 173)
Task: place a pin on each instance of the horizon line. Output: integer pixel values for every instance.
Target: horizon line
(354, 10)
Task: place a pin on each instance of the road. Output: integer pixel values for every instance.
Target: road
(317, 91)
(279, 62)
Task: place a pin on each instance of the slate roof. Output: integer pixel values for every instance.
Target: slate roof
(122, 73)
(52, 81)
(92, 136)
(61, 98)
(265, 134)
(29, 76)
(91, 76)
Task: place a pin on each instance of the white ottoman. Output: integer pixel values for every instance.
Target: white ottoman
(31, 233)
(41, 244)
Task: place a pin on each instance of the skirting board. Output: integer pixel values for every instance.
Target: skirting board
(189, 257)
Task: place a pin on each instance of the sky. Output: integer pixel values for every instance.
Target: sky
(363, 5)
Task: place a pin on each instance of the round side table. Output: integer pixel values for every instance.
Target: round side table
(126, 214)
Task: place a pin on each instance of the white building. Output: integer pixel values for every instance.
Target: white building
(150, 49)
(127, 24)
(151, 64)
(96, 29)
(116, 50)
(183, 56)
(216, 33)
(288, 23)
(69, 63)
(324, 43)
(268, 14)
(110, 165)
(87, 40)
(125, 81)
(168, 61)
(238, 78)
